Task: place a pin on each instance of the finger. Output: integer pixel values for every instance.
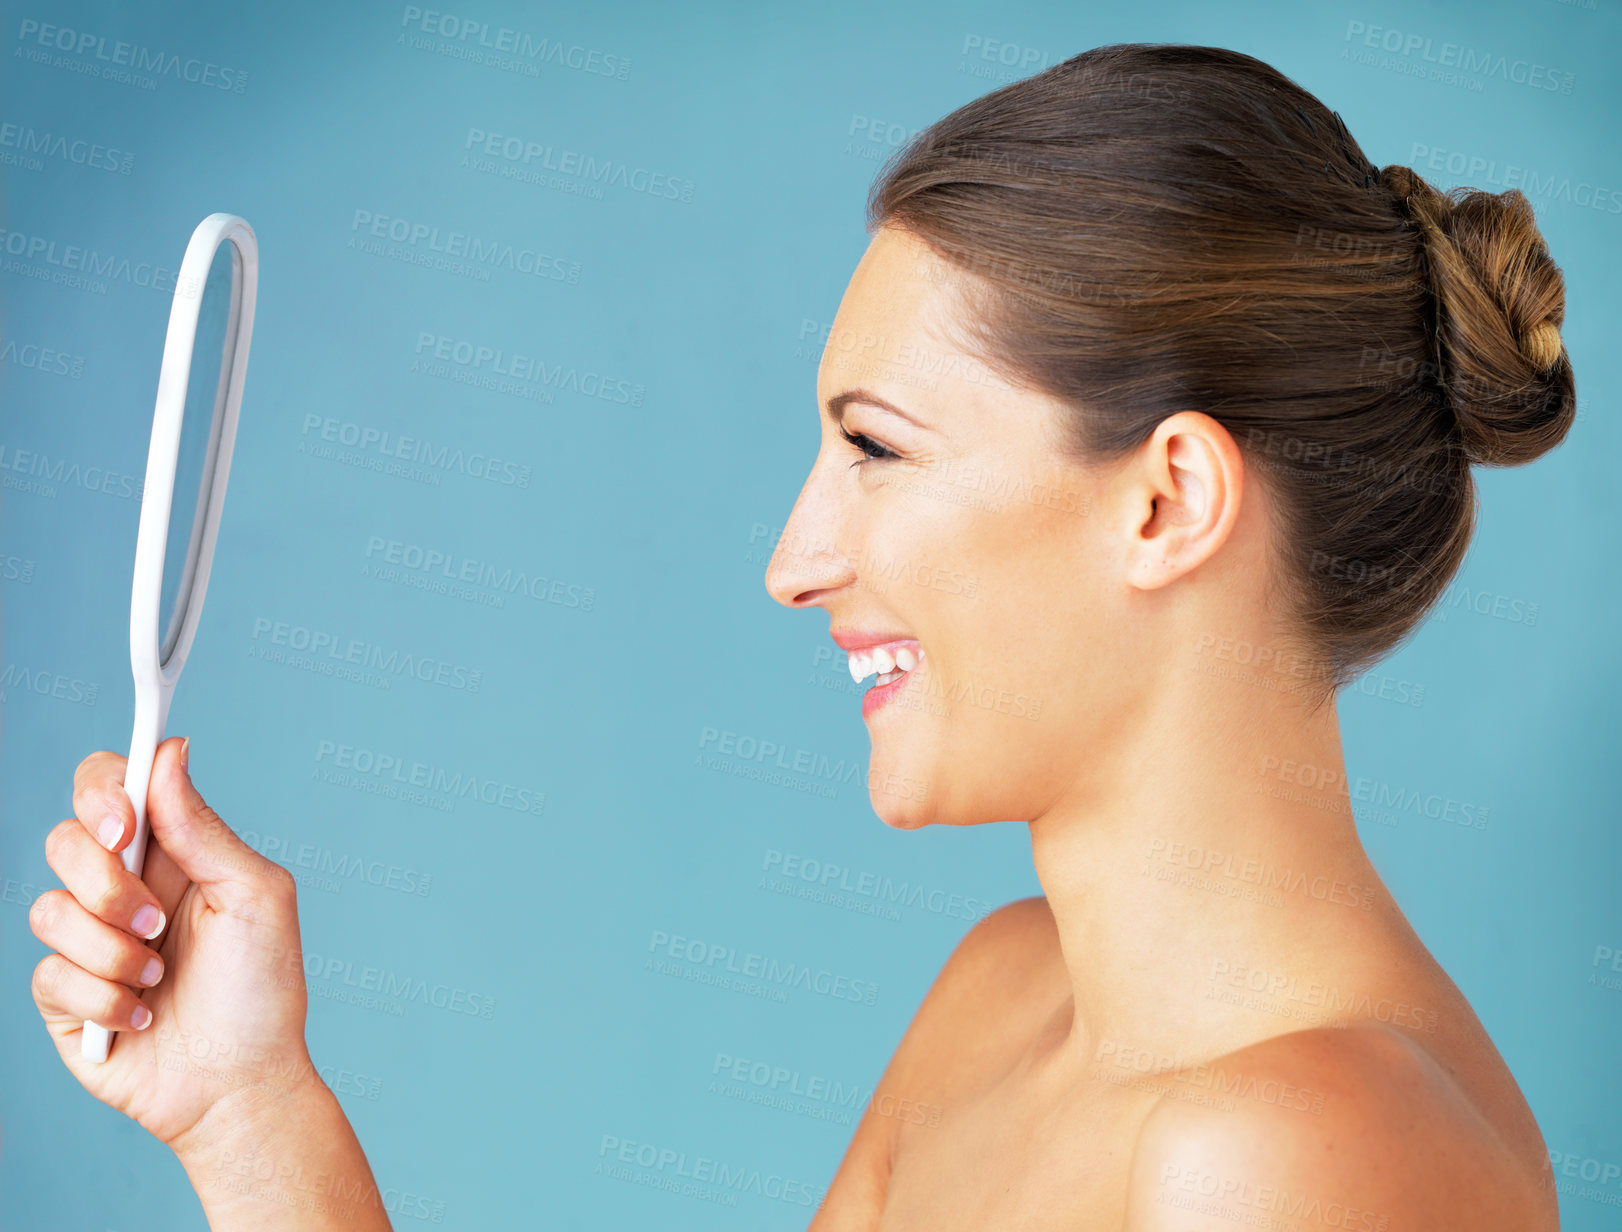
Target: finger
(100, 801)
(231, 875)
(61, 922)
(65, 990)
(166, 879)
(100, 882)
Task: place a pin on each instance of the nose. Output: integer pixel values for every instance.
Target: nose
(807, 563)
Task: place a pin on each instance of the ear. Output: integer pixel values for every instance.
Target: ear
(1185, 484)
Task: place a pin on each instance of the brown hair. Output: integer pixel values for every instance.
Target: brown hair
(1152, 228)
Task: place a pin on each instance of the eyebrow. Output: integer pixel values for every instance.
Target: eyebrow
(836, 406)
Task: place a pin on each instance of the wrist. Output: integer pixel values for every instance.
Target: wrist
(254, 1111)
(282, 1157)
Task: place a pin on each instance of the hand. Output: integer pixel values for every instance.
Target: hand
(226, 996)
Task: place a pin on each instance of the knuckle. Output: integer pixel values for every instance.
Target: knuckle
(96, 771)
(106, 762)
(280, 880)
(45, 913)
(116, 1005)
(117, 958)
(47, 979)
(56, 842)
(104, 901)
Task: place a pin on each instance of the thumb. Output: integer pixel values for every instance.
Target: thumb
(230, 873)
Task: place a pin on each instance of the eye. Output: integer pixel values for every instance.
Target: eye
(875, 452)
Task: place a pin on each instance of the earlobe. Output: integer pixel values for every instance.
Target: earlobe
(1192, 477)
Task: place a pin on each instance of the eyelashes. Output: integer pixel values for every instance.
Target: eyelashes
(875, 452)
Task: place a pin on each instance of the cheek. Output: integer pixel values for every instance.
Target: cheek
(1007, 603)
(1029, 658)
(913, 553)
(1034, 593)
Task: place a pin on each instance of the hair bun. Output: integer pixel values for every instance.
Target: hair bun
(1500, 300)
(1543, 345)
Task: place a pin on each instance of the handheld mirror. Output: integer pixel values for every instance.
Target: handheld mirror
(205, 358)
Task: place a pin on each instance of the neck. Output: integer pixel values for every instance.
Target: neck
(1212, 891)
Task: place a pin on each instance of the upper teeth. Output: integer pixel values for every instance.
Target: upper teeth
(883, 659)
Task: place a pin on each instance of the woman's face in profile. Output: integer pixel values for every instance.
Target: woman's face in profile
(978, 543)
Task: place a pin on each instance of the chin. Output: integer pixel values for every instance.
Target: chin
(900, 800)
(909, 821)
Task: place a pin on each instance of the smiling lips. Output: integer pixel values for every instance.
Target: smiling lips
(890, 656)
(891, 660)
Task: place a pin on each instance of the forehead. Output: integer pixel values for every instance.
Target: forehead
(894, 324)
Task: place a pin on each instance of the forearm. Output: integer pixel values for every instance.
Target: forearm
(292, 1162)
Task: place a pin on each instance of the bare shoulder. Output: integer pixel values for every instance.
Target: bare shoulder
(994, 977)
(1356, 1127)
(992, 974)
(1004, 950)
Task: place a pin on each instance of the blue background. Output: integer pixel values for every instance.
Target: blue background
(664, 512)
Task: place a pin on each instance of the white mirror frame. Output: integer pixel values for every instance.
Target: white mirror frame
(156, 677)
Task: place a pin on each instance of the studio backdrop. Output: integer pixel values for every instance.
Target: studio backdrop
(579, 816)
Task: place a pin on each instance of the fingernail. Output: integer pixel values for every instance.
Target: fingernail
(152, 972)
(111, 827)
(141, 1017)
(148, 922)
(184, 746)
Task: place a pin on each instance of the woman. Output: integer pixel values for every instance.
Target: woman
(1147, 423)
